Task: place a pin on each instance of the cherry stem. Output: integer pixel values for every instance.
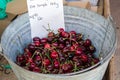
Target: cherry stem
(49, 30)
(31, 57)
(75, 67)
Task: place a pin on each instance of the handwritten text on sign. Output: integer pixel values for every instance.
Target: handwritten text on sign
(44, 12)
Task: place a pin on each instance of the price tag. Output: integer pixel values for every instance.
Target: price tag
(44, 14)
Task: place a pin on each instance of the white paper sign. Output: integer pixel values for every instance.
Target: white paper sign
(44, 12)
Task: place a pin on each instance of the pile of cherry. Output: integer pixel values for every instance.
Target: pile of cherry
(60, 53)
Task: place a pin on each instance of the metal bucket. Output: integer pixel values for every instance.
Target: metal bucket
(93, 26)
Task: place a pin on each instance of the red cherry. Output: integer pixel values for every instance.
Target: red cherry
(65, 67)
(79, 51)
(96, 60)
(66, 49)
(36, 39)
(50, 68)
(27, 52)
(61, 39)
(36, 69)
(50, 39)
(46, 62)
(31, 47)
(32, 66)
(43, 40)
(70, 66)
(76, 45)
(27, 55)
(75, 59)
(37, 43)
(47, 46)
(83, 48)
(30, 60)
(84, 57)
(56, 64)
(54, 55)
(20, 58)
(60, 30)
(78, 63)
(61, 46)
(72, 48)
(72, 33)
(87, 42)
(50, 34)
(55, 44)
(73, 39)
(65, 34)
(38, 52)
(38, 58)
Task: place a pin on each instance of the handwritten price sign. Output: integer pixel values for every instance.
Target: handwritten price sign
(44, 12)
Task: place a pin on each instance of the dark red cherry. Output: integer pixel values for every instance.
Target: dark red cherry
(60, 30)
(55, 44)
(79, 51)
(50, 34)
(84, 57)
(61, 39)
(32, 66)
(20, 58)
(50, 39)
(43, 40)
(46, 62)
(96, 60)
(31, 47)
(76, 59)
(65, 67)
(87, 42)
(66, 49)
(83, 48)
(27, 55)
(56, 64)
(29, 60)
(36, 39)
(76, 45)
(38, 58)
(50, 68)
(27, 52)
(72, 48)
(37, 43)
(36, 69)
(61, 46)
(65, 34)
(72, 33)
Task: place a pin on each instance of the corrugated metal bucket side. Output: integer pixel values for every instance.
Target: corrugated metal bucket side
(93, 26)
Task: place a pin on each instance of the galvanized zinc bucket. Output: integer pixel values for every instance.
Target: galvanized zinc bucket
(91, 25)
